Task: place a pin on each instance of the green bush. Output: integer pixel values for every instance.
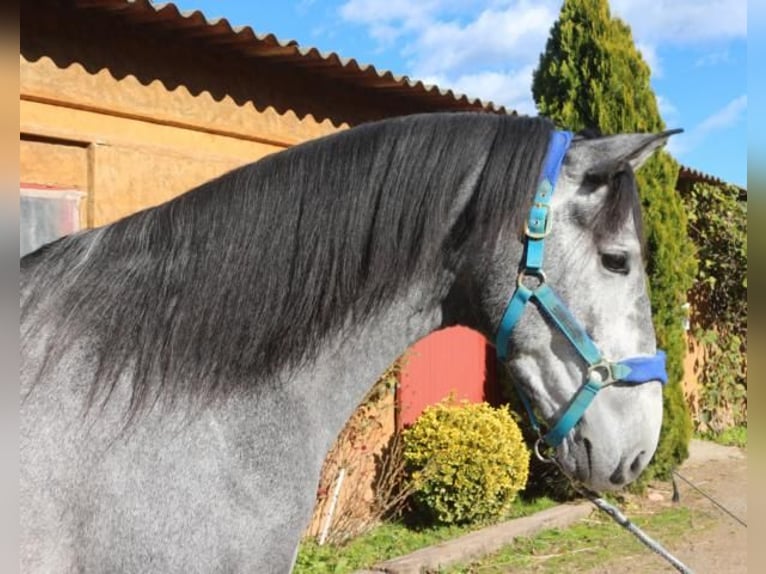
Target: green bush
(467, 462)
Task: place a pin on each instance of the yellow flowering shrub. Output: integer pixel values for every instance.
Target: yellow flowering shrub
(467, 461)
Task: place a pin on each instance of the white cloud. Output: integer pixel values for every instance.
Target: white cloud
(514, 35)
(683, 21)
(664, 22)
(510, 89)
(714, 59)
(403, 12)
(385, 34)
(676, 146)
(726, 117)
(484, 47)
(668, 110)
(651, 57)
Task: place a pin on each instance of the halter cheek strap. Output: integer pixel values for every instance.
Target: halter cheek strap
(601, 372)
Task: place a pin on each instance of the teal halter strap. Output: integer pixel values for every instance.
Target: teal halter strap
(635, 370)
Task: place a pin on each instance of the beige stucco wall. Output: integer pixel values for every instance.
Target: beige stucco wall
(129, 146)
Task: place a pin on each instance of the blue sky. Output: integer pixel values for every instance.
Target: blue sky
(697, 50)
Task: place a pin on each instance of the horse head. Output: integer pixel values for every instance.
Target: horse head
(577, 334)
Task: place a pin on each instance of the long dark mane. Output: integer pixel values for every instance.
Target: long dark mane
(242, 276)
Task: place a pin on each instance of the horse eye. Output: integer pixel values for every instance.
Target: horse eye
(616, 262)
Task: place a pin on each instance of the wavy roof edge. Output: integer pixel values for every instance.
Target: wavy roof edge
(692, 174)
(221, 31)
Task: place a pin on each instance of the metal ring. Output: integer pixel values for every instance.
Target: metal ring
(604, 372)
(538, 274)
(539, 455)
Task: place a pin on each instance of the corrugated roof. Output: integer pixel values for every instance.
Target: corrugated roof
(243, 42)
(693, 175)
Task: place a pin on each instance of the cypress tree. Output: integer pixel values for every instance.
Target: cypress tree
(592, 76)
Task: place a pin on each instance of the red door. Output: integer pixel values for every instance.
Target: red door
(455, 360)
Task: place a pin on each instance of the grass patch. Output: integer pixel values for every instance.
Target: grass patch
(389, 541)
(734, 436)
(588, 544)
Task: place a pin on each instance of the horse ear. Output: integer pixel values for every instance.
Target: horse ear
(602, 156)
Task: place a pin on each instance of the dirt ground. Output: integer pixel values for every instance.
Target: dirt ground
(715, 542)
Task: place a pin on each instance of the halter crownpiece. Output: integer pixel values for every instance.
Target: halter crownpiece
(601, 372)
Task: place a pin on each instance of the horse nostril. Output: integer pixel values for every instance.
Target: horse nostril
(635, 466)
(618, 476)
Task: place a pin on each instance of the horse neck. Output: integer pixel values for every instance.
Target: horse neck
(350, 362)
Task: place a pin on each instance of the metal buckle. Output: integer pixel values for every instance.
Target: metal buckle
(548, 223)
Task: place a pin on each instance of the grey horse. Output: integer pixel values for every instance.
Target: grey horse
(186, 369)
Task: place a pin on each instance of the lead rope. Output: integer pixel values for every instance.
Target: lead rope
(619, 518)
(645, 539)
(706, 495)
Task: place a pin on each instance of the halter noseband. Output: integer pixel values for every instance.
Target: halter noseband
(601, 372)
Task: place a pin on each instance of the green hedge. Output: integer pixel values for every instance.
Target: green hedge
(718, 226)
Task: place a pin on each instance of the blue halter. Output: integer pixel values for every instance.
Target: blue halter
(601, 372)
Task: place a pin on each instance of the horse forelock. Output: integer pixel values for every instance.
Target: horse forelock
(621, 203)
(243, 276)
